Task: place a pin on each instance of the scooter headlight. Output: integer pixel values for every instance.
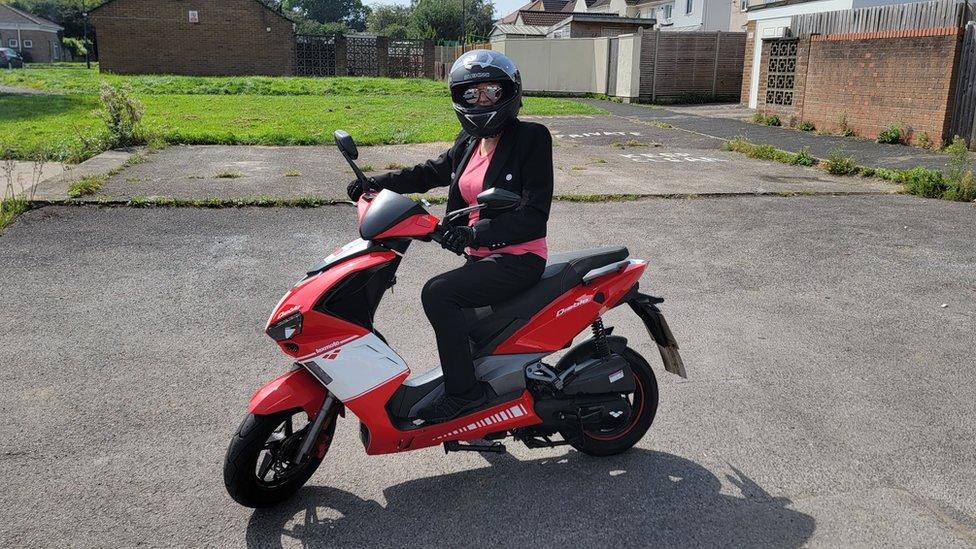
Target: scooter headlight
(286, 328)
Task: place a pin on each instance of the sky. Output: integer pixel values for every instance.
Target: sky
(502, 7)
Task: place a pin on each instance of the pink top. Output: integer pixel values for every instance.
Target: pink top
(471, 183)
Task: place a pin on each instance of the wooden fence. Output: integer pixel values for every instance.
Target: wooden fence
(684, 66)
(444, 57)
(963, 120)
(921, 15)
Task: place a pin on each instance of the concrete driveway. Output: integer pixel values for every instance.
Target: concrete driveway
(593, 155)
(829, 342)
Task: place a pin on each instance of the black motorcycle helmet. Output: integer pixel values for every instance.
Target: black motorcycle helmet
(478, 67)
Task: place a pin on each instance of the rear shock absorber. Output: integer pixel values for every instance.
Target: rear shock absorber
(600, 345)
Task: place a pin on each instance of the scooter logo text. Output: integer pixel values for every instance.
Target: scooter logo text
(583, 300)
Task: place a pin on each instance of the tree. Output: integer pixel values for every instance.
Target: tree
(441, 19)
(352, 13)
(389, 20)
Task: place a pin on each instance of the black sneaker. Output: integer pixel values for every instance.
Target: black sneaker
(447, 407)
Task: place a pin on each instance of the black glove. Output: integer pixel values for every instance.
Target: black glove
(355, 190)
(456, 239)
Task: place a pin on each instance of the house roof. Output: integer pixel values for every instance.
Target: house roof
(542, 18)
(569, 7)
(605, 18)
(553, 5)
(527, 30)
(510, 18)
(10, 14)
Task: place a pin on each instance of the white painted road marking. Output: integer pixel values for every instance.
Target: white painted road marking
(593, 134)
(669, 157)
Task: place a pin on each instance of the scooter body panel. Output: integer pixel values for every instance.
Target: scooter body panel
(295, 389)
(555, 326)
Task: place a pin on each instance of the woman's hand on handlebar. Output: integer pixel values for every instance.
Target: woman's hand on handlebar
(456, 239)
(358, 187)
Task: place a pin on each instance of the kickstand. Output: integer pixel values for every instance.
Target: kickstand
(492, 447)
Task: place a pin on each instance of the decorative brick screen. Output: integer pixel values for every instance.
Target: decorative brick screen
(781, 73)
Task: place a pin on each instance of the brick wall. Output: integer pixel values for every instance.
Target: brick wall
(232, 37)
(874, 80)
(42, 48)
(750, 48)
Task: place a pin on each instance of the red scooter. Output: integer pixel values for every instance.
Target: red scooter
(599, 398)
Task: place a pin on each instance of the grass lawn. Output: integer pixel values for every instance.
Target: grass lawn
(237, 110)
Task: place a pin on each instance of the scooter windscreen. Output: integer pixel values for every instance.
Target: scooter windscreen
(386, 211)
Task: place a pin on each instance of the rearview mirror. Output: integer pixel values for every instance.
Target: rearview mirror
(346, 144)
(499, 199)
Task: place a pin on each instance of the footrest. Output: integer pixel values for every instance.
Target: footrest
(493, 447)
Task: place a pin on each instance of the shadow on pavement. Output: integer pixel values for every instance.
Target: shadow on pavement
(643, 497)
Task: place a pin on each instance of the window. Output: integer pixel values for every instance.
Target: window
(637, 14)
(28, 44)
(13, 43)
(743, 5)
(667, 12)
(688, 6)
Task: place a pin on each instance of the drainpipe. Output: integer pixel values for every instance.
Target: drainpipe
(20, 43)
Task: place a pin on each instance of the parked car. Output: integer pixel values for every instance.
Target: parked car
(10, 59)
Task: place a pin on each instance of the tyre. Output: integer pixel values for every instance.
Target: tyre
(643, 402)
(258, 471)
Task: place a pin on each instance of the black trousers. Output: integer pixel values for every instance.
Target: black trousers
(478, 283)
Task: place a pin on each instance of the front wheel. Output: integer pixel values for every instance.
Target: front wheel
(258, 469)
(643, 403)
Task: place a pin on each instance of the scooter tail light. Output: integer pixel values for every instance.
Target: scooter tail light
(286, 328)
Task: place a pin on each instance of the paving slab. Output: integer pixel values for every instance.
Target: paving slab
(592, 155)
(22, 176)
(56, 187)
(828, 339)
(721, 127)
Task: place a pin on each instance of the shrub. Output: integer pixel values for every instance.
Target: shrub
(958, 173)
(806, 126)
(76, 46)
(923, 182)
(804, 158)
(122, 115)
(866, 172)
(838, 164)
(772, 120)
(893, 135)
(923, 140)
(759, 118)
(842, 127)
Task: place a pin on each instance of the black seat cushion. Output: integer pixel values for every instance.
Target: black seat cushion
(563, 272)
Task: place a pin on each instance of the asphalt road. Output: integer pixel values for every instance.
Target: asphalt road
(830, 400)
(721, 122)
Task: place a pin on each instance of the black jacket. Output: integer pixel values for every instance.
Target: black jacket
(522, 163)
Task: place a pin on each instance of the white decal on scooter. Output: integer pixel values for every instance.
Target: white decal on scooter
(511, 413)
(579, 301)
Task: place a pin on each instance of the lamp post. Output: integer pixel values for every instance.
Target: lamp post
(84, 15)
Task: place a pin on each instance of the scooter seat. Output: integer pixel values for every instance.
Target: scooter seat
(563, 272)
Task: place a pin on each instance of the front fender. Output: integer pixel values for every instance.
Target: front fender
(295, 389)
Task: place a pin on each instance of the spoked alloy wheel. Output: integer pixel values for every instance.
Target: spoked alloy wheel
(259, 470)
(643, 402)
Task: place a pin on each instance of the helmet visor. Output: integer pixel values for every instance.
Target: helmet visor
(483, 95)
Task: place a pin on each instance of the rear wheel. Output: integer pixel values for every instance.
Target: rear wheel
(643, 403)
(258, 469)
